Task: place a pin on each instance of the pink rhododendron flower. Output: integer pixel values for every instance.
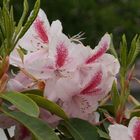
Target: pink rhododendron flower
(88, 73)
(88, 84)
(38, 36)
(56, 53)
(76, 77)
(121, 132)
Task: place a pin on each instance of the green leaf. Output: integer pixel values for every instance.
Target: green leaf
(135, 111)
(134, 50)
(20, 53)
(64, 131)
(115, 96)
(34, 92)
(24, 14)
(106, 125)
(81, 129)
(7, 27)
(22, 102)
(48, 105)
(107, 108)
(41, 130)
(112, 48)
(103, 134)
(63, 138)
(123, 52)
(30, 20)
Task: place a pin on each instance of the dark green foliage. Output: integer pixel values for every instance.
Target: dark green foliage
(10, 30)
(94, 17)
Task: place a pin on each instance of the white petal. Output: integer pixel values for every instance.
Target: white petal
(14, 85)
(81, 107)
(109, 67)
(78, 53)
(56, 28)
(99, 50)
(111, 63)
(46, 116)
(104, 43)
(95, 84)
(58, 49)
(20, 83)
(38, 64)
(93, 117)
(50, 90)
(33, 39)
(118, 132)
(92, 76)
(15, 59)
(42, 15)
(63, 87)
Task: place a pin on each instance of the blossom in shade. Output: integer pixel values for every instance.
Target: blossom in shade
(6, 122)
(22, 133)
(121, 132)
(20, 83)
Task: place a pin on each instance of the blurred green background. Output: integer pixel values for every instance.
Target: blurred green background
(93, 17)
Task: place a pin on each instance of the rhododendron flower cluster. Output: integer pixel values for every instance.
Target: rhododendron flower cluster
(73, 75)
(54, 87)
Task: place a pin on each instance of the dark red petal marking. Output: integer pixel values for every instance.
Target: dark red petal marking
(92, 85)
(98, 54)
(62, 53)
(136, 130)
(84, 104)
(23, 133)
(40, 29)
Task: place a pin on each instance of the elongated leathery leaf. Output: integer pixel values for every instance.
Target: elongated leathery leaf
(112, 48)
(81, 129)
(30, 20)
(103, 134)
(48, 105)
(41, 130)
(7, 26)
(22, 103)
(123, 52)
(34, 92)
(115, 96)
(25, 11)
(134, 50)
